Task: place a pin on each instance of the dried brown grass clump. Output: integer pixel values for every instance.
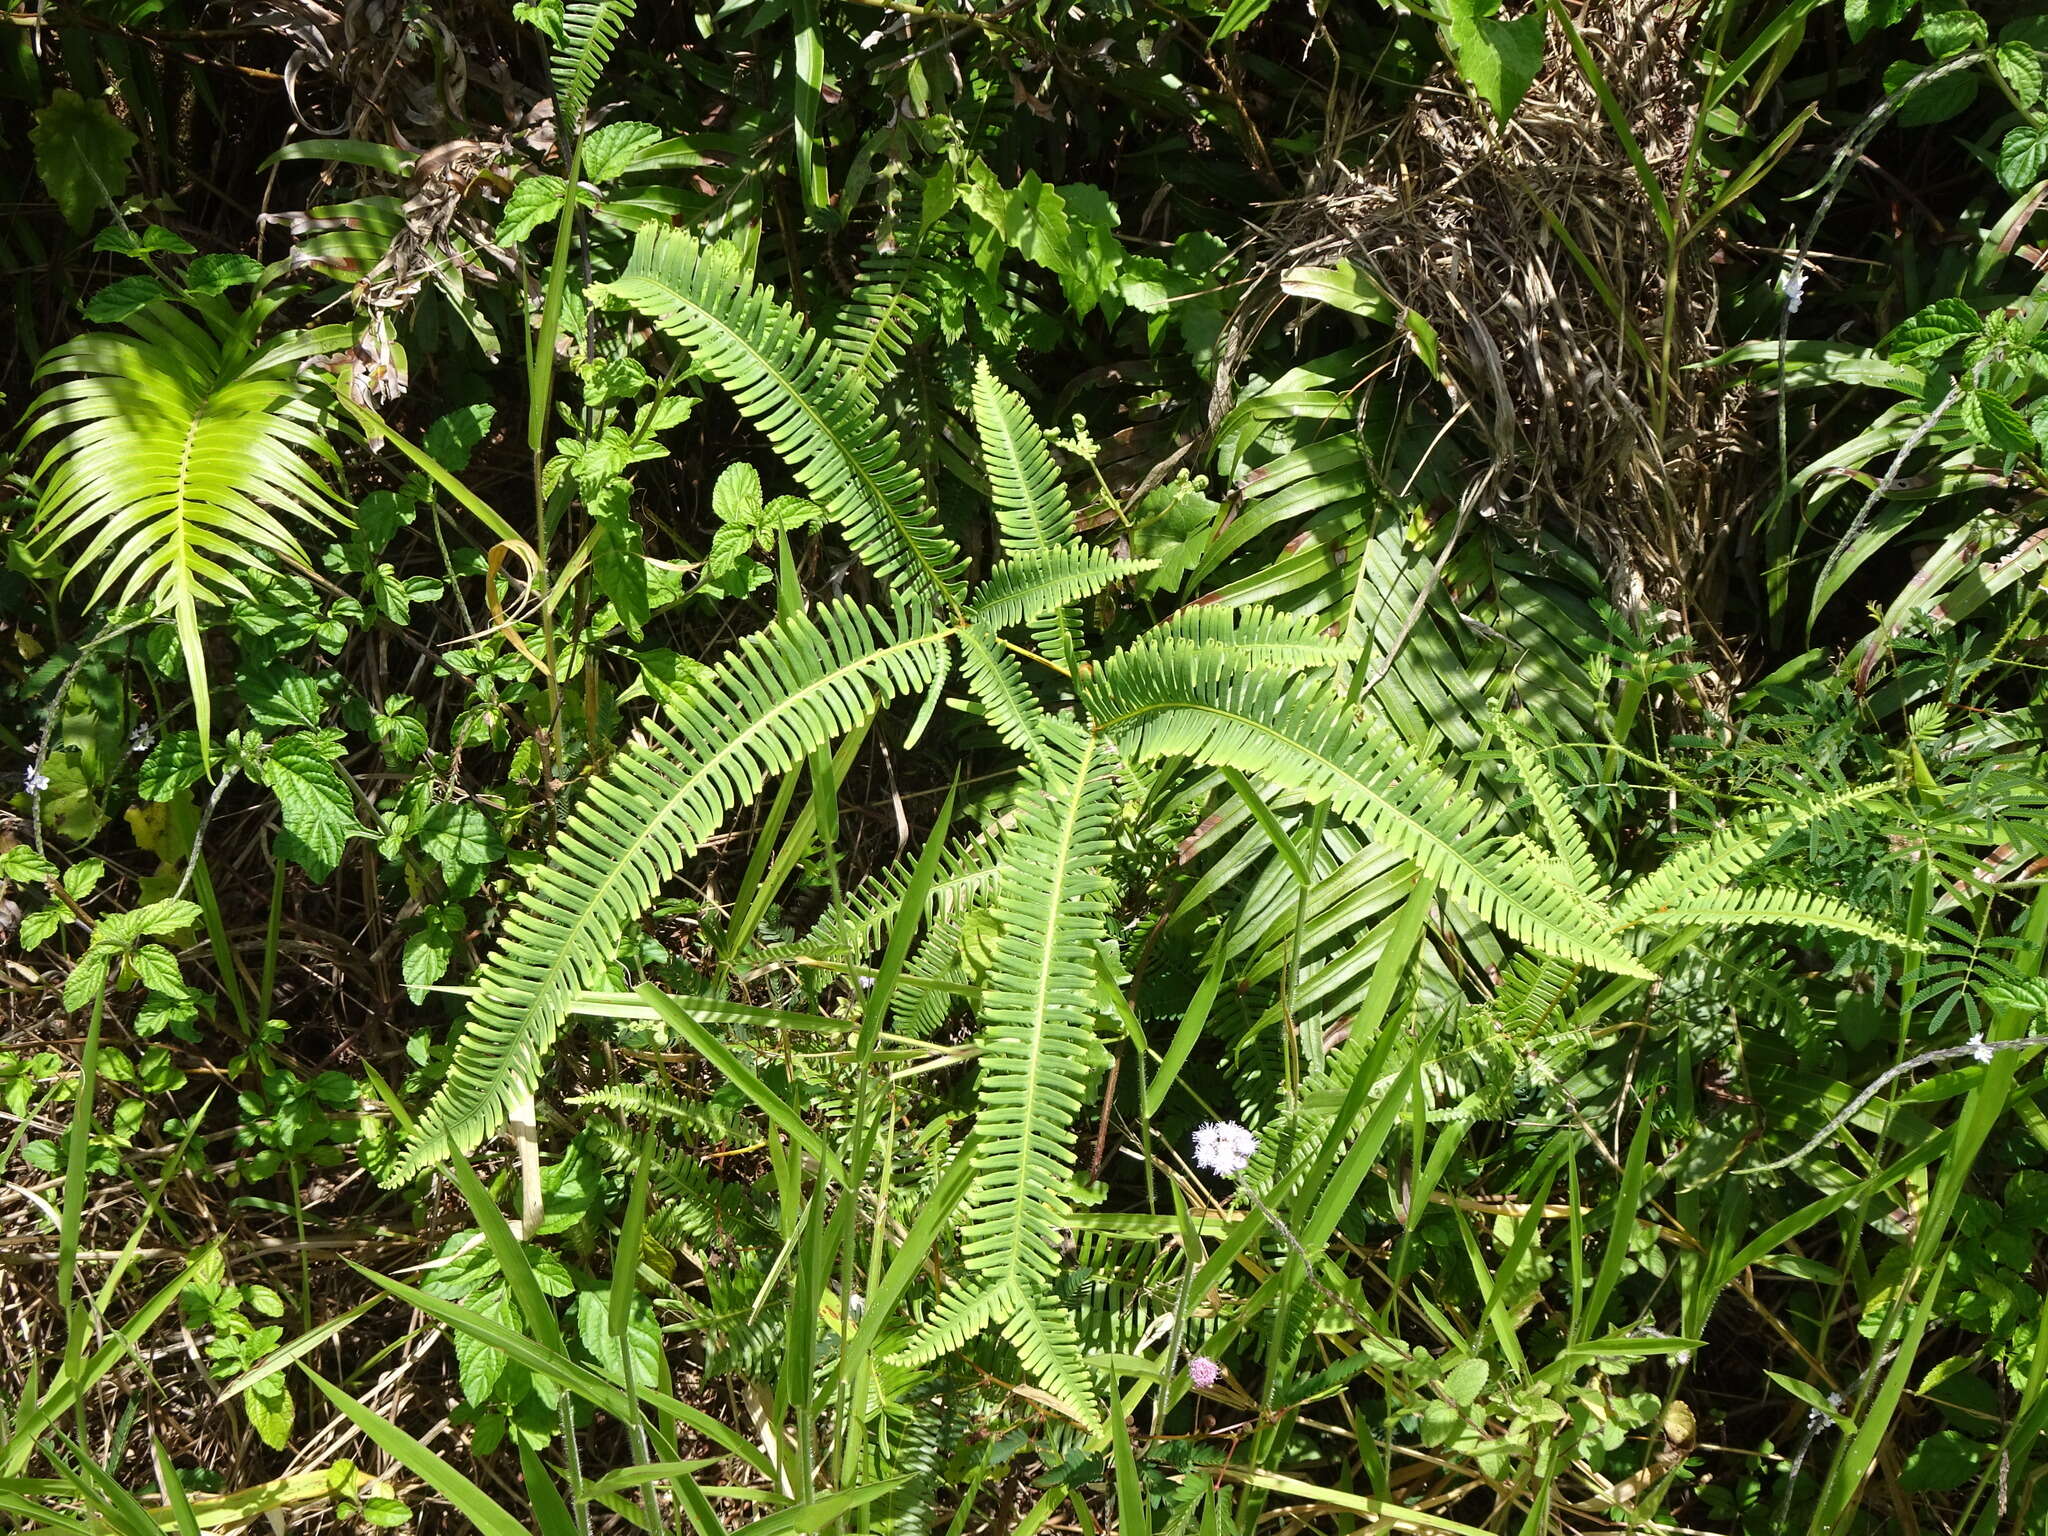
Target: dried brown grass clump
(1569, 335)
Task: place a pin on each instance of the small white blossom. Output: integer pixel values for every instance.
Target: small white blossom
(1683, 1357)
(1793, 286)
(1980, 1050)
(1834, 1402)
(141, 739)
(35, 781)
(1224, 1147)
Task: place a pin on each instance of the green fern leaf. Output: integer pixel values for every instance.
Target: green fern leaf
(781, 694)
(1567, 838)
(184, 453)
(1256, 635)
(1712, 862)
(590, 31)
(822, 420)
(1031, 505)
(1300, 736)
(872, 332)
(1038, 1046)
(1033, 511)
(1774, 905)
(1033, 585)
(998, 681)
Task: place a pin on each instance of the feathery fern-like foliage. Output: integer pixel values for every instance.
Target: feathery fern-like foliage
(183, 454)
(1038, 1055)
(780, 695)
(1300, 736)
(822, 419)
(875, 328)
(590, 31)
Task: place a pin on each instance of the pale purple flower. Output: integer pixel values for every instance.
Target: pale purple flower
(35, 781)
(1224, 1147)
(1204, 1372)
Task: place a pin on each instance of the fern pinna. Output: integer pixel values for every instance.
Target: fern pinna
(1243, 690)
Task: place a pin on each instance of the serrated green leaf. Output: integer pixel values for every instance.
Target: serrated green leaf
(1924, 337)
(2019, 66)
(81, 152)
(1994, 423)
(611, 150)
(2022, 157)
(1947, 33)
(534, 201)
(173, 765)
(318, 810)
(118, 300)
(221, 271)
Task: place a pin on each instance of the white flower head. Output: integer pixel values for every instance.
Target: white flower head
(1793, 286)
(1225, 1148)
(35, 781)
(1980, 1051)
(141, 739)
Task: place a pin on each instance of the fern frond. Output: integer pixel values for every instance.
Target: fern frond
(998, 681)
(590, 31)
(184, 454)
(963, 1313)
(1038, 1045)
(1033, 585)
(1031, 505)
(1049, 1348)
(822, 420)
(859, 921)
(1712, 862)
(1530, 991)
(1781, 905)
(1032, 508)
(780, 695)
(922, 1003)
(1566, 837)
(1300, 736)
(707, 1117)
(1257, 636)
(881, 319)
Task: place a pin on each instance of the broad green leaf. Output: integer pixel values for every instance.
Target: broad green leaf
(318, 810)
(429, 948)
(221, 271)
(172, 765)
(118, 300)
(81, 152)
(2023, 156)
(2019, 66)
(1947, 33)
(1924, 337)
(609, 151)
(534, 201)
(1994, 423)
(1498, 59)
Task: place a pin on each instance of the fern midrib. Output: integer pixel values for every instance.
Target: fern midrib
(939, 590)
(436, 1132)
(1020, 1197)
